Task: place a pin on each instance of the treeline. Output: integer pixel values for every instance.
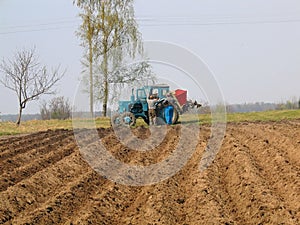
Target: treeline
(14, 117)
(263, 106)
(293, 104)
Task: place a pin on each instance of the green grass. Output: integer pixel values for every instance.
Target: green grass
(9, 128)
(276, 115)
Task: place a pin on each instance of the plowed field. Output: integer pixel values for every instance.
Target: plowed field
(254, 179)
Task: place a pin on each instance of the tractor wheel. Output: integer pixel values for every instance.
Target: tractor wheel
(128, 118)
(116, 119)
(161, 116)
(175, 116)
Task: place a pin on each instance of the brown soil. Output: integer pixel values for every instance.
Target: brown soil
(254, 179)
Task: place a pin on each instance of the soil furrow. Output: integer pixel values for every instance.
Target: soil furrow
(20, 160)
(30, 193)
(26, 171)
(65, 203)
(24, 140)
(31, 145)
(21, 140)
(114, 200)
(105, 204)
(248, 192)
(274, 160)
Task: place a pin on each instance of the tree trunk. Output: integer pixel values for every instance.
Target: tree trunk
(105, 74)
(91, 79)
(105, 62)
(19, 116)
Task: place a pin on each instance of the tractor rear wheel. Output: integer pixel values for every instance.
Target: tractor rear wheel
(161, 115)
(175, 116)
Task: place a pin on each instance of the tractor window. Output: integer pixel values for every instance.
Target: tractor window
(164, 92)
(141, 93)
(155, 91)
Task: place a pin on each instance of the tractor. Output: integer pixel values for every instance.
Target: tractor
(137, 106)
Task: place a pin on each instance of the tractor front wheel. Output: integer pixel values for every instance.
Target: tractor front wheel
(128, 118)
(116, 119)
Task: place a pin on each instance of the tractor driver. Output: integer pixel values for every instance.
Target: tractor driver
(151, 109)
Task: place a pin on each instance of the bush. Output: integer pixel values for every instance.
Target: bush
(58, 108)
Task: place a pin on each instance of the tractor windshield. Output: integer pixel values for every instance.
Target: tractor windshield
(161, 92)
(141, 94)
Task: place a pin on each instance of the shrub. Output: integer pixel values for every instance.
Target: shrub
(58, 108)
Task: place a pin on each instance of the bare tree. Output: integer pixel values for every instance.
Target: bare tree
(28, 78)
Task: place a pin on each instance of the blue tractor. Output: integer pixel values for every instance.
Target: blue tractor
(137, 107)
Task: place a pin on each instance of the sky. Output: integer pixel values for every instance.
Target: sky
(251, 47)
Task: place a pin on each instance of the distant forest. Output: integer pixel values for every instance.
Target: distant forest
(262, 106)
(14, 117)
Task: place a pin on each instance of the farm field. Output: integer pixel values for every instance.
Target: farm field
(254, 179)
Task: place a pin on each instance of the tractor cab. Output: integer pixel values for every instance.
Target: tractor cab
(137, 107)
(142, 94)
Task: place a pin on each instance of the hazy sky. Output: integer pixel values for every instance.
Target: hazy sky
(251, 46)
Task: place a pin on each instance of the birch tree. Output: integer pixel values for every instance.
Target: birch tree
(115, 35)
(88, 33)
